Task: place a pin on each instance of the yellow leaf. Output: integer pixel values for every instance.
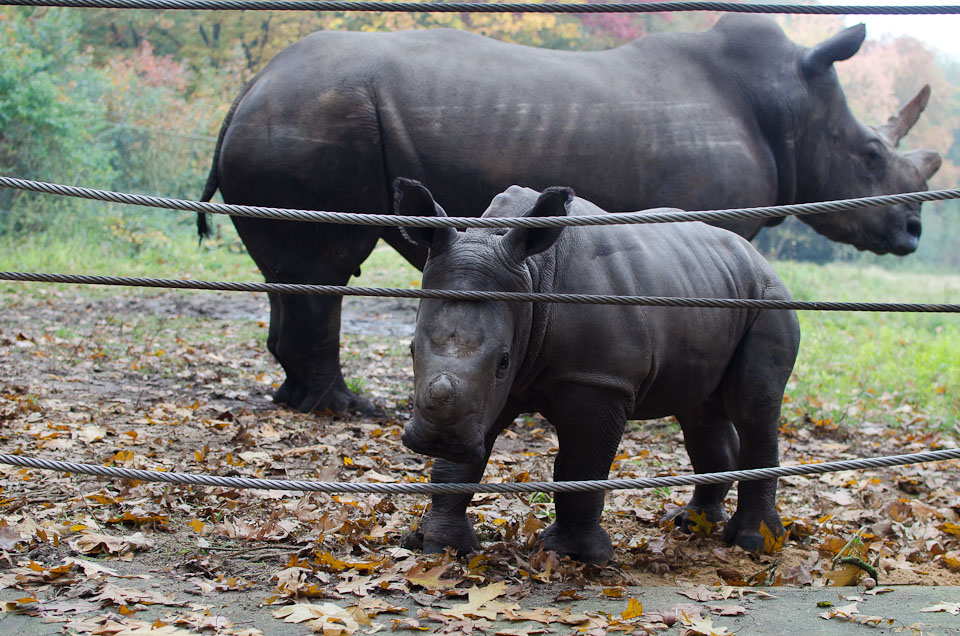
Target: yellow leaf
(771, 543)
(197, 525)
(634, 609)
(699, 524)
(951, 528)
(845, 576)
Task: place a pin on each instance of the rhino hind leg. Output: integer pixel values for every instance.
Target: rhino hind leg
(589, 423)
(713, 446)
(304, 333)
(752, 396)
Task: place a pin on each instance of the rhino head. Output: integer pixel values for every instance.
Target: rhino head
(466, 354)
(837, 157)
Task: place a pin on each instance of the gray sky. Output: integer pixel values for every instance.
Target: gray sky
(941, 32)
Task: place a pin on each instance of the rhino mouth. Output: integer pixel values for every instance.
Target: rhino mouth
(900, 243)
(907, 241)
(452, 445)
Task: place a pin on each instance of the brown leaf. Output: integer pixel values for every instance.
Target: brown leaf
(431, 579)
(106, 544)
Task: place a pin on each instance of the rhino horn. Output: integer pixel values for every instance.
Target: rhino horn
(413, 198)
(927, 162)
(900, 124)
(842, 46)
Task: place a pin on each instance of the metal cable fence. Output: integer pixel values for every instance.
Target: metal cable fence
(422, 488)
(477, 295)
(482, 7)
(393, 220)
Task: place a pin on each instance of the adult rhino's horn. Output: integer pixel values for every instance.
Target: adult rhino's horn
(412, 198)
(900, 124)
(842, 46)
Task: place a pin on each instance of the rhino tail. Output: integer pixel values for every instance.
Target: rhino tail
(213, 178)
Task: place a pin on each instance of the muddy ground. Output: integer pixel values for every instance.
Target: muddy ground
(182, 381)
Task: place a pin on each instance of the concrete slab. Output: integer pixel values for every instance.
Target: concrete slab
(792, 611)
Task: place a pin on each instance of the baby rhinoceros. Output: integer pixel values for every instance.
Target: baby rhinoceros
(590, 368)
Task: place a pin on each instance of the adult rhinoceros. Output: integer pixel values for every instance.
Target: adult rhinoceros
(736, 116)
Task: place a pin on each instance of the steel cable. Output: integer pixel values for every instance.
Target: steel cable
(481, 7)
(351, 218)
(497, 296)
(452, 488)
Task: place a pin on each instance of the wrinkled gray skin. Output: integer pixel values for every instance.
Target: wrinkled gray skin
(590, 368)
(736, 116)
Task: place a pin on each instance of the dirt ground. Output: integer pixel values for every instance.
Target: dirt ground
(180, 381)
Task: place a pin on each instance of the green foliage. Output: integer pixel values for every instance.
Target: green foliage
(50, 112)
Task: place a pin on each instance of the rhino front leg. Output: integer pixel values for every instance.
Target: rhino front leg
(712, 445)
(446, 523)
(589, 423)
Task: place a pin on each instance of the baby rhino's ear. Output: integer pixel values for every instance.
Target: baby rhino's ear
(521, 243)
(411, 198)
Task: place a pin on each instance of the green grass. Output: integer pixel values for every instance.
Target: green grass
(895, 369)
(156, 246)
(160, 248)
(386, 268)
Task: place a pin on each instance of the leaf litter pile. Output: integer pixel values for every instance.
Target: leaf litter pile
(178, 381)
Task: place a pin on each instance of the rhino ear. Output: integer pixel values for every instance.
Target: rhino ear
(523, 242)
(411, 198)
(842, 46)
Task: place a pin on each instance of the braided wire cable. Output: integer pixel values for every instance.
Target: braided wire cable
(456, 488)
(497, 296)
(505, 7)
(352, 218)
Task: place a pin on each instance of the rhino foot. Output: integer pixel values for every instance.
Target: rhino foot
(290, 393)
(333, 400)
(436, 533)
(690, 517)
(588, 545)
(744, 530)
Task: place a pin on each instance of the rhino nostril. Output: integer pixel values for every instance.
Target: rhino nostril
(442, 388)
(914, 227)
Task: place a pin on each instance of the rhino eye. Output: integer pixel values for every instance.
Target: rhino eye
(504, 362)
(875, 159)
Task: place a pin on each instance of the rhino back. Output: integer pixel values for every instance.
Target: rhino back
(470, 116)
(665, 356)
